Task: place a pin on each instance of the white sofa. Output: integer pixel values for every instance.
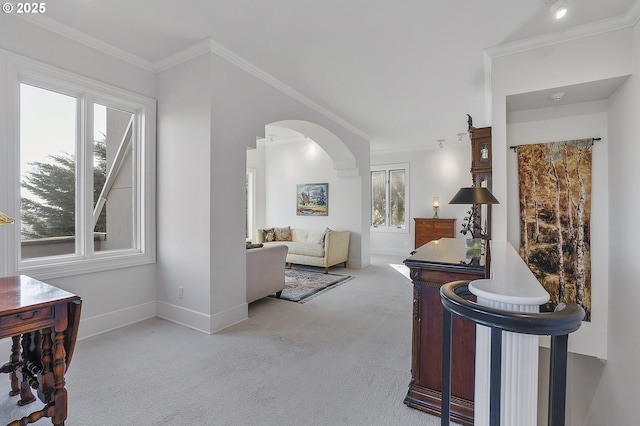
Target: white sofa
(305, 247)
(265, 271)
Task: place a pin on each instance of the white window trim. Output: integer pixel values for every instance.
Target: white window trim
(16, 69)
(393, 229)
(251, 203)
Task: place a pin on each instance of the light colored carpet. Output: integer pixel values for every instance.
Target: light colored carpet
(340, 359)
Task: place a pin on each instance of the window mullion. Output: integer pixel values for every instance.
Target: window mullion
(84, 178)
(388, 199)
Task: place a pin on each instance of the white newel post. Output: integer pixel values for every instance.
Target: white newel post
(513, 288)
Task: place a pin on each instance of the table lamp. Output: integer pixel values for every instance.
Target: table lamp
(475, 196)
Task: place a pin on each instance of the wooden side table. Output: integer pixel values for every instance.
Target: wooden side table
(42, 321)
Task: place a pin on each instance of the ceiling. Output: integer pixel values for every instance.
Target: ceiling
(404, 73)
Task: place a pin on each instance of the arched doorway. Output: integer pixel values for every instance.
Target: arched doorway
(344, 161)
(295, 152)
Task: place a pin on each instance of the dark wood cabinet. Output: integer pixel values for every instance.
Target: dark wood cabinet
(431, 266)
(432, 229)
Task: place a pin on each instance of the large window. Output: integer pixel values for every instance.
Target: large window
(85, 175)
(389, 189)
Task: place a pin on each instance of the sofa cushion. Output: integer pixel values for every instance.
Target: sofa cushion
(269, 235)
(283, 234)
(305, 249)
(302, 236)
(324, 235)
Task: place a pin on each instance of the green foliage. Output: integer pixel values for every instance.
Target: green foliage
(52, 214)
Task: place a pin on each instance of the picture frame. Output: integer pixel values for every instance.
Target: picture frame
(312, 199)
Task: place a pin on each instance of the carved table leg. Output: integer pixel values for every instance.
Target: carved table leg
(15, 358)
(59, 393)
(26, 397)
(46, 382)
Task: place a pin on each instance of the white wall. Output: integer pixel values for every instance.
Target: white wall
(184, 199)
(210, 111)
(438, 172)
(114, 298)
(575, 121)
(615, 401)
(578, 61)
(599, 393)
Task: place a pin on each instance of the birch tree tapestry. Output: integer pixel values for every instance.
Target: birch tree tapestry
(555, 216)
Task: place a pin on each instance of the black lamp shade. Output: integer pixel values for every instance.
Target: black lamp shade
(474, 195)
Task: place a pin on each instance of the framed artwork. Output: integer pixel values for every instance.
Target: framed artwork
(312, 199)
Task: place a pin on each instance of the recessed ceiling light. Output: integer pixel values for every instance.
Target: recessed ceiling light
(560, 12)
(558, 9)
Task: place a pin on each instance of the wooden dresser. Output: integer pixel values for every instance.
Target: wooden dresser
(433, 229)
(432, 265)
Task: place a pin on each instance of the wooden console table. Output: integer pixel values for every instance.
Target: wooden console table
(42, 321)
(432, 265)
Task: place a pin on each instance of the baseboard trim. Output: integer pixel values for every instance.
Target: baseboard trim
(229, 317)
(199, 321)
(184, 316)
(103, 323)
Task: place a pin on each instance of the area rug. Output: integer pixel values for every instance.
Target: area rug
(300, 284)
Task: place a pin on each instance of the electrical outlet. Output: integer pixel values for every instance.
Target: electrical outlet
(180, 292)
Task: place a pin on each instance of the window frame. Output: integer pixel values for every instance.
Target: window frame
(387, 168)
(16, 70)
(251, 203)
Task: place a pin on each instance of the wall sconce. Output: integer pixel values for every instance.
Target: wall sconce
(436, 207)
(4, 219)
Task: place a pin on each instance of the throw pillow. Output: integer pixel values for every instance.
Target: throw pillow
(269, 235)
(252, 246)
(324, 236)
(283, 234)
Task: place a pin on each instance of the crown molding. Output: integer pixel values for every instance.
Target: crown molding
(184, 55)
(606, 25)
(225, 53)
(193, 51)
(83, 38)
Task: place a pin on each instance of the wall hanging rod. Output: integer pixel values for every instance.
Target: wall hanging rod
(515, 147)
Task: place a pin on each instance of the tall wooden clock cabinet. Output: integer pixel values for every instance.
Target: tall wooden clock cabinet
(481, 157)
